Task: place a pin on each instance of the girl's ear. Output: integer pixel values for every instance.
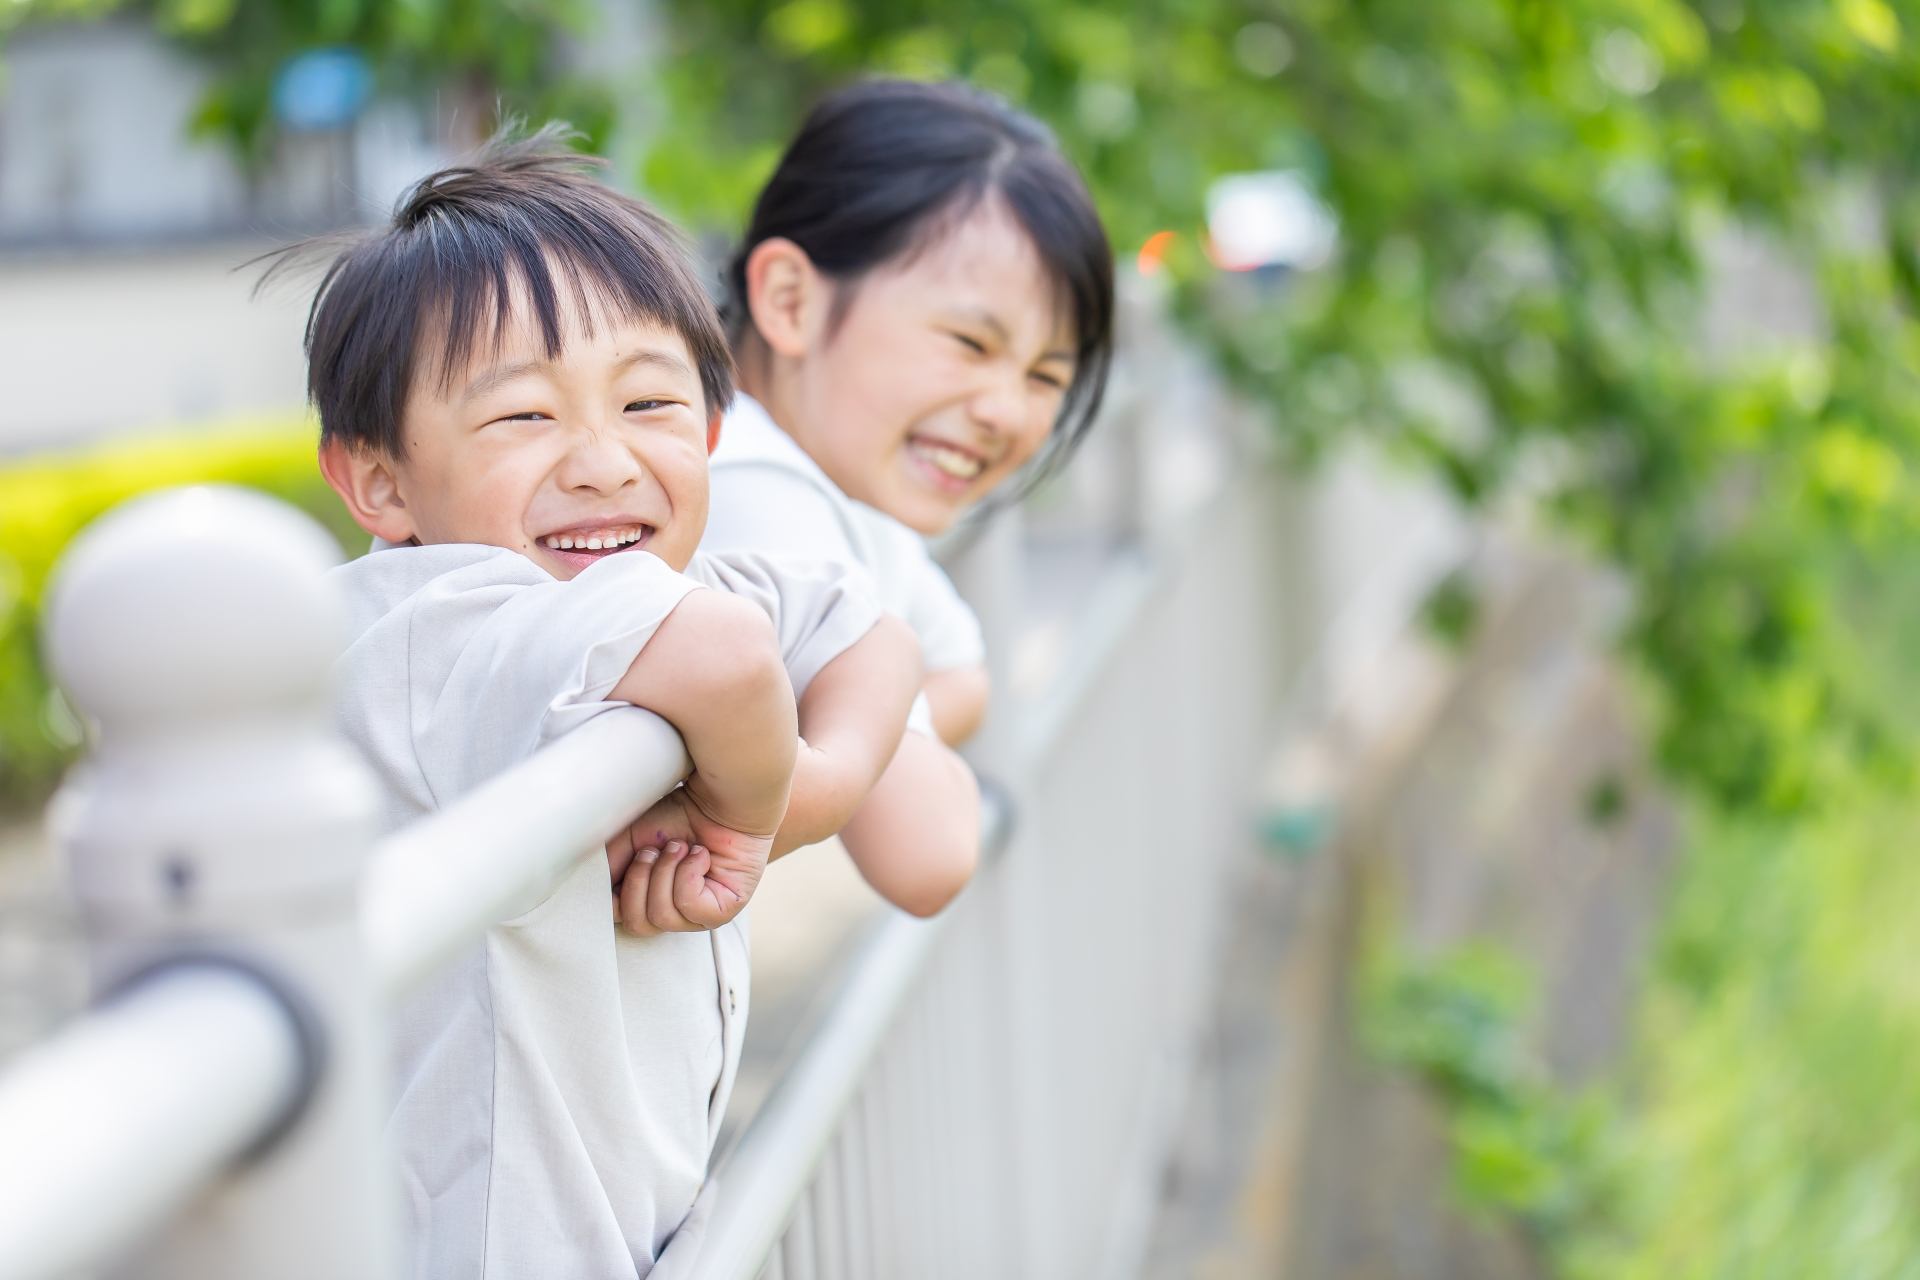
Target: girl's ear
(787, 296)
(370, 487)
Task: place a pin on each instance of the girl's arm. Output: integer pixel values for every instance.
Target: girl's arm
(851, 719)
(958, 699)
(917, 837)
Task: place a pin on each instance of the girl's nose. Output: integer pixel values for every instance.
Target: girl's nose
(1001, 406)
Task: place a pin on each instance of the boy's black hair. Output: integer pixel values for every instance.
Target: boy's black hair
(881, 165)
(438, 282)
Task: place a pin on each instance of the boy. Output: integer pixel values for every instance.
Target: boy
(519, 382)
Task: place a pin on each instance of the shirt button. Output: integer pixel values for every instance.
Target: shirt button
(731, 1007)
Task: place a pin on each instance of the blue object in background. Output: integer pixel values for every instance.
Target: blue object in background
(322, 89)
(1297, 832)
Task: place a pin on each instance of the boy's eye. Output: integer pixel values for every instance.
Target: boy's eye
(646, 406)
(531, 415)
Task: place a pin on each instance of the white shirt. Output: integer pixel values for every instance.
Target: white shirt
(769, 496)
(561, 1086)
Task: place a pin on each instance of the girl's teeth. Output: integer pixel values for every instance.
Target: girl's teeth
(951, 462)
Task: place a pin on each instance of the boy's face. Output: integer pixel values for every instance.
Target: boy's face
(598, 451)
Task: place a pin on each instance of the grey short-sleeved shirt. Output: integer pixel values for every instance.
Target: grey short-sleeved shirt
(561, 1086)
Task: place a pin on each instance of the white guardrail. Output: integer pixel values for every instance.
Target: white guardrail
(231, 1082)
(217, 1114)
(992, 1092)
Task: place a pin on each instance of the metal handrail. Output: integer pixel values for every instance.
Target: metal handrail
(120, 1118)
(751, 1192)
(516, 835)
(114, 1123)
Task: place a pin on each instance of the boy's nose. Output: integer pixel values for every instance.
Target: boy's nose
(600, 462)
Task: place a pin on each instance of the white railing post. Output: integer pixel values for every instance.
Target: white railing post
(218, 833)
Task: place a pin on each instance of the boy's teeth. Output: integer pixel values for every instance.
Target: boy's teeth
(595, 542)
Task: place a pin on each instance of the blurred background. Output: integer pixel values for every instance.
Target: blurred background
(1608, 304)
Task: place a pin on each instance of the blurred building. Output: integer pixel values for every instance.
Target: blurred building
(124, 299)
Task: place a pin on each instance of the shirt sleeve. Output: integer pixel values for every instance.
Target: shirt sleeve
(819, 608)
(948, 630)
(767, 508)
(522, 663)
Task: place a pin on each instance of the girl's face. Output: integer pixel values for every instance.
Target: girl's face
(942, 375)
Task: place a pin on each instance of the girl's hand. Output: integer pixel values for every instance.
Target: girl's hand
(682, 872)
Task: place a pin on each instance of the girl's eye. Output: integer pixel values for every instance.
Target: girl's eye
(1048, 380)
(977, 348)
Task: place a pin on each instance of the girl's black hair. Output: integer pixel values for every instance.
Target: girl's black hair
(881, 165)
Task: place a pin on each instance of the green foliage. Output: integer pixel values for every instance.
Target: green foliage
(1774, 1129)
(1523, 191)
(1522, 1148)
(1775, 1134)
(1451, 612)
(45, 501)
(468, 59)
(1766, 1127)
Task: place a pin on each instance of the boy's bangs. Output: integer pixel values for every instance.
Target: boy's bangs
(522, 236)
(478, 282)
(476, 307)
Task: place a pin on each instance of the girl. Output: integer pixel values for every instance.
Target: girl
(922, 304)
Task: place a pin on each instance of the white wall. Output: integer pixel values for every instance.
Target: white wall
(93, 140)
(121, 303)
(108, 343)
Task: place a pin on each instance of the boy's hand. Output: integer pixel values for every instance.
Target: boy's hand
(680, 871)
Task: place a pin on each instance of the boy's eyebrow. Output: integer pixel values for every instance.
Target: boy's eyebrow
(498, 375)
(501, 374)
(660, 359)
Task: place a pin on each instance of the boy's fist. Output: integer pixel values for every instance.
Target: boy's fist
(676, 870)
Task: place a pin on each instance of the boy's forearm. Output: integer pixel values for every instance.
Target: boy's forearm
(917, 837)
(851, 717)
(713, 671)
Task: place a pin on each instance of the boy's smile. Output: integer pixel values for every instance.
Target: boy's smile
(583, 545)
(567, 458)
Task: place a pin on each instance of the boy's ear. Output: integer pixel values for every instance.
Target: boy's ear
(367, 484)
(786, 295)
(714, 417)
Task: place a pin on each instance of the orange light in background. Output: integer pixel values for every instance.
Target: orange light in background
(1153, 254)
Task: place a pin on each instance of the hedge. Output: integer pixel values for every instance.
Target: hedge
(45, 500)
